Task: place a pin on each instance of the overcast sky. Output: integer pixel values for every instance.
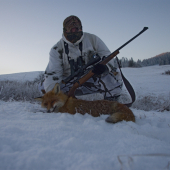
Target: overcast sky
(29, 28)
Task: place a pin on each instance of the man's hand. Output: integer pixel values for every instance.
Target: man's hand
(99, 69)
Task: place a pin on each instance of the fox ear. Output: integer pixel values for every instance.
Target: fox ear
(56, 88)
(38, 99)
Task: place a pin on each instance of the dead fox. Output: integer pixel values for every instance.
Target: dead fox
(57, 101)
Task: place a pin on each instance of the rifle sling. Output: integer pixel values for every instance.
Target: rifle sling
(128, 86)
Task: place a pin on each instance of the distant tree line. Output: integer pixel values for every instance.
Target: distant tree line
(161, 59)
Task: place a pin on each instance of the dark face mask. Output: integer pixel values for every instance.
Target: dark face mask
(73, 36)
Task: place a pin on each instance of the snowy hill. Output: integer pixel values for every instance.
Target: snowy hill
(31, 139)
(24, 76)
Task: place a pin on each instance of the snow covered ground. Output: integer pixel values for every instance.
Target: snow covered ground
(31, 139)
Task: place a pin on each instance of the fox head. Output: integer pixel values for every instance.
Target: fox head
(53, 99)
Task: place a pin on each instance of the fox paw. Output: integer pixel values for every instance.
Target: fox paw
(111, 119)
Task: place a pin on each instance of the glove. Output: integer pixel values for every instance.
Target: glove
(99, 69)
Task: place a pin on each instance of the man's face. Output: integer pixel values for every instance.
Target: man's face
(72, 29)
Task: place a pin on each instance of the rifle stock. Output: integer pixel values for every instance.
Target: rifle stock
(79, 83)
(111, 56)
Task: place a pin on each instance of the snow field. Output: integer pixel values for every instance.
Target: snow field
(36, 140)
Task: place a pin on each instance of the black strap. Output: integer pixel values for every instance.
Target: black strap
(81, 47)
(67, 49)
(128, 86)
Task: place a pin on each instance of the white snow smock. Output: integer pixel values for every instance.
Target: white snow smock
(59, 68)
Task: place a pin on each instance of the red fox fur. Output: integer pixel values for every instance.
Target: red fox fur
(60, 102)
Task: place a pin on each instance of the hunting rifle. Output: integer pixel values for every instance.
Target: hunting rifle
(104, 62)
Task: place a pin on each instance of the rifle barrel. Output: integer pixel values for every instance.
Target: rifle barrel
(144, 29)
